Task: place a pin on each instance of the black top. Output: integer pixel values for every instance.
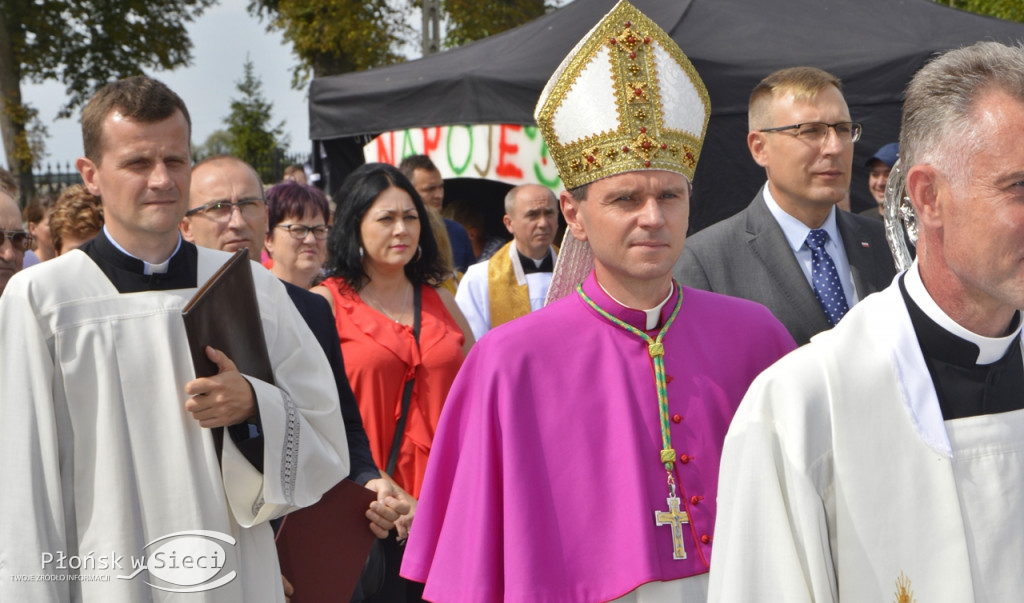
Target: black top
(965, 388)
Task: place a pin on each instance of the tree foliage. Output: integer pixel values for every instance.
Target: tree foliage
(1011, 10)
(470, 20)
(251, 136)
(331, 37)
(336, 36)
(83, 44)
(217, 143)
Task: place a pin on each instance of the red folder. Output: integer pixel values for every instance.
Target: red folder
(322, 548)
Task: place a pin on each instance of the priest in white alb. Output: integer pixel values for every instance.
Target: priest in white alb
(114, 486)
(576, 458)
(515, 280)
(884, 461)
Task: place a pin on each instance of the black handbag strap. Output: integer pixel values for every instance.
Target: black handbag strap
(396, 444)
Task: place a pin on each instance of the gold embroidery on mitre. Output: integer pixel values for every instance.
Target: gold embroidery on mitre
(639, 92)
(625, 41)
(903, 592)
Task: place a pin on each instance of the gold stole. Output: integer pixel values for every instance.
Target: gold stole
(508, 298)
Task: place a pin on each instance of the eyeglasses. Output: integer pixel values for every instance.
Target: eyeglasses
(816, 131)
(19, 239)
(220, 211)
(299, 231)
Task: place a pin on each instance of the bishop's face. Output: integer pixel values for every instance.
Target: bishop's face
(636, 226)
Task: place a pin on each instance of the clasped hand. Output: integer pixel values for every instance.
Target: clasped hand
(223, 399)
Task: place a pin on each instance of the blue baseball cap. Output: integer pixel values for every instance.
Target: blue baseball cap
(888, 154)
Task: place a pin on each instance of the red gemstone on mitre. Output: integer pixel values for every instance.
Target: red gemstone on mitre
(632, 55)
(647, 40)
(612, 41)
(631, 39)
(643, 129)
(629, 24)
(638, 91)
(646, 144)
(625, 149)
(590, 158)
(647, 164)
(664, 146)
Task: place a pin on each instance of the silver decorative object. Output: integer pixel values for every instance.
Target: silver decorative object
(900, 220)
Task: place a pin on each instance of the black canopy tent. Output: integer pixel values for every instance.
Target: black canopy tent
(874, 46)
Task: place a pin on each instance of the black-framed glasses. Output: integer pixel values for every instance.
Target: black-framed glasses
(221, 210)
(299, 231)
(19, 239)
(816, 131)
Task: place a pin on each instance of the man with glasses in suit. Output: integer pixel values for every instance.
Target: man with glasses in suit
(792, 249)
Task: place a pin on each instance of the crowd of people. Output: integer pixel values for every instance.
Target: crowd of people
(763, 411)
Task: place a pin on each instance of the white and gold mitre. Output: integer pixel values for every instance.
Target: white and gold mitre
(625, 99)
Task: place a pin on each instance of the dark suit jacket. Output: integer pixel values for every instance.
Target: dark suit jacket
(317, 313)
(748, 256)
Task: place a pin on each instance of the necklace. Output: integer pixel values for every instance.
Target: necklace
(674, 517)
(379, 306)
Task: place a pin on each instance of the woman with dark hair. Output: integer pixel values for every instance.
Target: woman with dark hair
(384, 267)
(37, 215)
(297, 216)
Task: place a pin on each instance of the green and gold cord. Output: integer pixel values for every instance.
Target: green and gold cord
(657, 353)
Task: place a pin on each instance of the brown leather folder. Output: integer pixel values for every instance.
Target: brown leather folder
(224, 314)
(322, 548)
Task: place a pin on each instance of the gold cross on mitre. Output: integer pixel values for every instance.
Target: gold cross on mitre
(676, 519)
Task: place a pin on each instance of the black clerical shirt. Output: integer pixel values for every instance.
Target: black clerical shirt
(965, 388)
(529, 265)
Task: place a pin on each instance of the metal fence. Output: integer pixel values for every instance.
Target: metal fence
(53, 178)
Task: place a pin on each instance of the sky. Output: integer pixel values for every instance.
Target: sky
(221, 38)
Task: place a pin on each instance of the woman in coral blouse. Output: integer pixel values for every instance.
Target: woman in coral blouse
(381, 254)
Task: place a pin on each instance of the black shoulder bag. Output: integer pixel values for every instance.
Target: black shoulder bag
(380, 580)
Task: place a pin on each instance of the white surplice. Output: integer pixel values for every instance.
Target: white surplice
(101, 458)
(473, 294)
(840, 480)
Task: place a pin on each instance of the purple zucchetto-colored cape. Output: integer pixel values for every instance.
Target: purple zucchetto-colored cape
(544, 476)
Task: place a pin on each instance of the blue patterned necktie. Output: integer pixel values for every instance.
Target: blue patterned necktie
(825, 277)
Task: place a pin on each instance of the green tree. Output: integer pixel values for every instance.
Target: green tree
(470, 20)
(251, 136)
(83, 44)
(336, 36)
(1011, 10)
(217, 143)
(331, 37)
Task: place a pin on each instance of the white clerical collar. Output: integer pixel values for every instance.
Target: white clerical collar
(796, 231)
(653, 315)
(147, 268)
(990, 349)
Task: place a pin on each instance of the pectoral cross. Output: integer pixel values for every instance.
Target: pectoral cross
(676, 519)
